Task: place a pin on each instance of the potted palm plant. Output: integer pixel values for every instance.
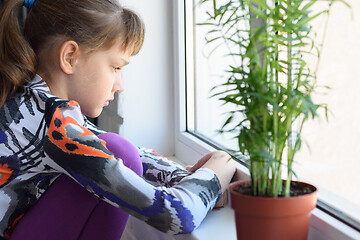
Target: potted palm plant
(270, 87)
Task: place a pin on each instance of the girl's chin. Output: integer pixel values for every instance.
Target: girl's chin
(94, 113)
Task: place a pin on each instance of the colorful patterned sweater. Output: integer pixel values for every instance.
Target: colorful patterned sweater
(42, 136)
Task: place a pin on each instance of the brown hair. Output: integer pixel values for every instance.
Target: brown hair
(93, 24)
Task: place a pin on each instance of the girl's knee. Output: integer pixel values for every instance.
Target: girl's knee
(122, 148)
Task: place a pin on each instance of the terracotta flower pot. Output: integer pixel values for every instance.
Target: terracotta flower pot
(268, 218)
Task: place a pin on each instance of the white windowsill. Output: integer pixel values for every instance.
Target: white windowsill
(220, 224)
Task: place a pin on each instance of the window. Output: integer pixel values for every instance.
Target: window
(205, 69)
(332, 162)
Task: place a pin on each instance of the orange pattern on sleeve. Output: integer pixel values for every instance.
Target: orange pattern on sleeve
(57, 135)
(5, 173)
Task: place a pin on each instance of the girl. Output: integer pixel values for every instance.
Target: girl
(62, 66)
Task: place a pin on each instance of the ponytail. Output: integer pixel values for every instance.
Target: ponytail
(17, 58)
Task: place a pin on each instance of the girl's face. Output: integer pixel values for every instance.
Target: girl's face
(96, 78)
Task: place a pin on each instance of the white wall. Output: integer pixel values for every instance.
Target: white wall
(146, 105)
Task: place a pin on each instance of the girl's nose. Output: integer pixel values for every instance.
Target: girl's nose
(118, 85)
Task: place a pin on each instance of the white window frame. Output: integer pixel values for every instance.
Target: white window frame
(189, 148)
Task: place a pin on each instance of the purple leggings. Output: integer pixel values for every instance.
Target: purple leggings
(68, 211)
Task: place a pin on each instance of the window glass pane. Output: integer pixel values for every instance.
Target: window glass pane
(208, 112)
(332, 159)
(332, 162)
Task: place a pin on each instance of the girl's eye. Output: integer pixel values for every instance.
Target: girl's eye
(116, 69)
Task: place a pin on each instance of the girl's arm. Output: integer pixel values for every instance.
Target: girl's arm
(74, 150)
(160, 170)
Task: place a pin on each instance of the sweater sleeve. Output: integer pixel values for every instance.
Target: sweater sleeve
(74, 150)
(160, 170)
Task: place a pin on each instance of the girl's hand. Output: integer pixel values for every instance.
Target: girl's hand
(224, 168)
(204, 159)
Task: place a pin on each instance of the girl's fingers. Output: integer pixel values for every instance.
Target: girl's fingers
(188, 167)
(201, 162)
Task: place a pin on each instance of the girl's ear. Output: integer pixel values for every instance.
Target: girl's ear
(68, 54)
